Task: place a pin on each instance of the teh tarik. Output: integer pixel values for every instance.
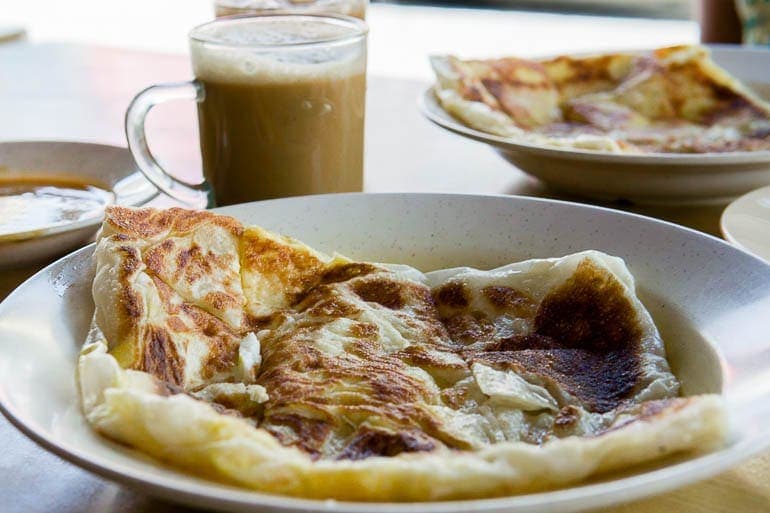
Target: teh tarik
(281, 113)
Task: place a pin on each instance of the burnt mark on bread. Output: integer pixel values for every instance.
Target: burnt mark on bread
(296, 268)
(368, 442)
(306, 433)
(221, 340)
(523, 72)
(469, 328)
(453, 294)
(385, 389)
(160, 357)
(586, 340)
(181, 265)
(508, 299)
(601, 381)
(155, 256)
(422, 315)
(334, 307)
(346, 272)
(364, 331)
(442, 364)
(566, 420)
(423, 356)
(256, 323)
(595, 71)
(185, 264)
(149, 223)
(296, 371)
(220, 300)
(144, 222)
(522, 342)
(176, 324)
(222, 355)
(129, 301)
(590, 311)
(193, 264)
(381, 290)
(455, 397)
(325, 301)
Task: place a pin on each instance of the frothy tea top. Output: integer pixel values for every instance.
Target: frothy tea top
(276, 31)
(278, 48)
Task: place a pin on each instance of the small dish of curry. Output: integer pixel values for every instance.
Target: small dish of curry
(30, 202)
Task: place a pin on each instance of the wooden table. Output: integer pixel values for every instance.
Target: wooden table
(80, 93)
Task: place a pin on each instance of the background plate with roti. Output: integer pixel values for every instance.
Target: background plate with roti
(641, 178)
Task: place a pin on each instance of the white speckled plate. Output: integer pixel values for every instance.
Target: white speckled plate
(711, 300)
(645, 179)
(109, 165)
(746, 222)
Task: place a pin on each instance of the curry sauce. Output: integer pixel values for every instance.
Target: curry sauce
(30, 202)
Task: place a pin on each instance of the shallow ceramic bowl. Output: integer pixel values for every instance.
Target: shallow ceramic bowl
(746, 222)
(711, 301)
(645, 179)
(110, 166)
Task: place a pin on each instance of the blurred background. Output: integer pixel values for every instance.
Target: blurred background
(402, 32)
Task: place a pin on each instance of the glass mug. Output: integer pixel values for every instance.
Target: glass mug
(355, 8)
(280, 109)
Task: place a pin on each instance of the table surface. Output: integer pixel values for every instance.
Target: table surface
(73, 92)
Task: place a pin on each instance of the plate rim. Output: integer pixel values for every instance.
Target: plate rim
(211, 493)
(724, 219)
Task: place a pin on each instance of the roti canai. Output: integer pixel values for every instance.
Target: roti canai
(249, 358)
(670, 100)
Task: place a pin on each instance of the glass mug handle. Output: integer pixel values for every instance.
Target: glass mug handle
(188, 193)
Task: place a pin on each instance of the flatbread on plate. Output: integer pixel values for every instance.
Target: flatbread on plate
(250, 358)
(670, 100)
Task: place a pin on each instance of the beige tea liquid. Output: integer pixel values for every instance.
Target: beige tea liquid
(285, 118)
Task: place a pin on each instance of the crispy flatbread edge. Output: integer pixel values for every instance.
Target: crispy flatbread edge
(129, 407)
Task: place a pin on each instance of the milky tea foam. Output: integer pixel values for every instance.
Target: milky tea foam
(355, 8)
(282, 112)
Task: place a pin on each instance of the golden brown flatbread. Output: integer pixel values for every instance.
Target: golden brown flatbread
(248, 357)
(670, 100)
